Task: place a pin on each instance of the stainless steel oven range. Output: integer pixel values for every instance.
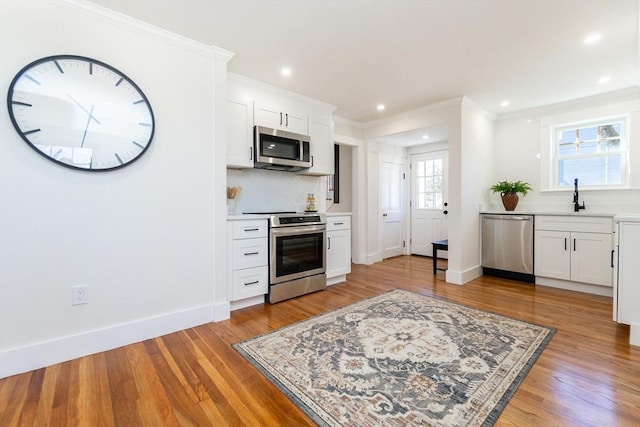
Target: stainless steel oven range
(297, 255)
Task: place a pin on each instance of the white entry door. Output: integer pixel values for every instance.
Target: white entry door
(428, 201)
(392, 189)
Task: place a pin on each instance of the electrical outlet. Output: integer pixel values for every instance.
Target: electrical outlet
(79, 294)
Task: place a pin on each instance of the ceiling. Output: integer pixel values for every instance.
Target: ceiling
(408, 54)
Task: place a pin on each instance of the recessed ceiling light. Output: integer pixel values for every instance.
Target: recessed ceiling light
(285, 71)
(593, 38)
(380, 107)
(504, 103)
(604, 79)
(425, 136)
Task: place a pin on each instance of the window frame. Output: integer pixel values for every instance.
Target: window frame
(555, 135)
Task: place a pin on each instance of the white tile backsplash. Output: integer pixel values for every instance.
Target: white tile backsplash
(267, 191)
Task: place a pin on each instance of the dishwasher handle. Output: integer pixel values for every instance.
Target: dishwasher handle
(508, 217)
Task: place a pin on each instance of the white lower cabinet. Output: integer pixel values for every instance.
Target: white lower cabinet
(574, 249)
(338, 248)
(248, 265)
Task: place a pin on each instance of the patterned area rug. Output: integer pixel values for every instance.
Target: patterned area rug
(400, 359)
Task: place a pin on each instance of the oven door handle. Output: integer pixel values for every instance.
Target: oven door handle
(298, 230)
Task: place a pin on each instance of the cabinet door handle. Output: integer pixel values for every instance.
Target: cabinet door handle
(251, 253)
(574, 245)
(252, 283)
(286, 116)
(329, 239)
(311, 161)
(338, 223)
(565, 243)
(280, 119)
(612, 252)
(251, 229)
(250, 153)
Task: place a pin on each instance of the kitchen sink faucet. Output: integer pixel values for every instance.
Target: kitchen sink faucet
(576, 204)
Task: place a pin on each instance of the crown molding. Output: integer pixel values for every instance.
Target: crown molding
(134, 25)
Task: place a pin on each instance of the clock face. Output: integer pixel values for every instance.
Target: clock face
(80, 113)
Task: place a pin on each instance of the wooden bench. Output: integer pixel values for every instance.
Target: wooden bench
(442, 245)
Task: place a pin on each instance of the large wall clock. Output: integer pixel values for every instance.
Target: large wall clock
(80, 113)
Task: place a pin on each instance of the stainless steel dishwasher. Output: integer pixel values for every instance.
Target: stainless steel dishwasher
(507, 246)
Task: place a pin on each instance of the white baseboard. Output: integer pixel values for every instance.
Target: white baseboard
(634, 334)
(247, 302)
(35, 356)
(337, 279)
(464, 276)
(586, 288)
(221, 311)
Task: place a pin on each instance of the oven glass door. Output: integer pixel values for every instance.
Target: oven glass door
(297, 254)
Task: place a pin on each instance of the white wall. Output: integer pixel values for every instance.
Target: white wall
(520, 154)
(142, 237)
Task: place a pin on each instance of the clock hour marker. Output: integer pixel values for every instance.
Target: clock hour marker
(119, 159)
(32, 79)
(29, 132)
(145, 124)
(91, 68)
(139, 145)
(59, 67)
(140, 101)
(21, 103)
(119, 81)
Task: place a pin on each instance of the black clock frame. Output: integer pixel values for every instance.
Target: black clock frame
(90, 61)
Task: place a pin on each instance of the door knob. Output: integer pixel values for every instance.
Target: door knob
(384, 214)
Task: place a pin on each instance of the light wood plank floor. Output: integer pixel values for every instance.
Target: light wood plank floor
(587, 376)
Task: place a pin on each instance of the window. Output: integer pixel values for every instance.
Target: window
(429, 180)
(594, 152)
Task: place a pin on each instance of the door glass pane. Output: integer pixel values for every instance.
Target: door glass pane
(429, 184)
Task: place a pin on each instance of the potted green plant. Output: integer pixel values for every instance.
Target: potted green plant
(509, 192)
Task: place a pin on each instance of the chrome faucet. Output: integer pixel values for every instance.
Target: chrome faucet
(576, 204)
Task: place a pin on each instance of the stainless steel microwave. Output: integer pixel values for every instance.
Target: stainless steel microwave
(281, 150)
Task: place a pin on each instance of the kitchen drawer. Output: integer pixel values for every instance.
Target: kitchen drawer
(250, 283)
(338, 223)
(571, 223)
(249, 229)
(249, 253)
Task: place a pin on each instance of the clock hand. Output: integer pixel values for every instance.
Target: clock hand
(87, 126)
(84, 109)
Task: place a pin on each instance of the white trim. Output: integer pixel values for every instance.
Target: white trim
(128, 23)
(419, 111)
(34, 356)
(462, 277)
(575, 286)
(221, 311)
(246, 81)
(337, 279)
(247, 302)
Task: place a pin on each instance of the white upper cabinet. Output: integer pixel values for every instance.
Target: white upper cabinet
(281, 118)
(239, 132)
(322, 157)
(251, 103)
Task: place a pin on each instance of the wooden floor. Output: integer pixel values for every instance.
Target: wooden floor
(587, 376)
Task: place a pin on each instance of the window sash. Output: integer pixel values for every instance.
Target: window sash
(599, 158)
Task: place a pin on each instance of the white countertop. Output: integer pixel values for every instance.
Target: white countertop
(533, 212)
(629, 217)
